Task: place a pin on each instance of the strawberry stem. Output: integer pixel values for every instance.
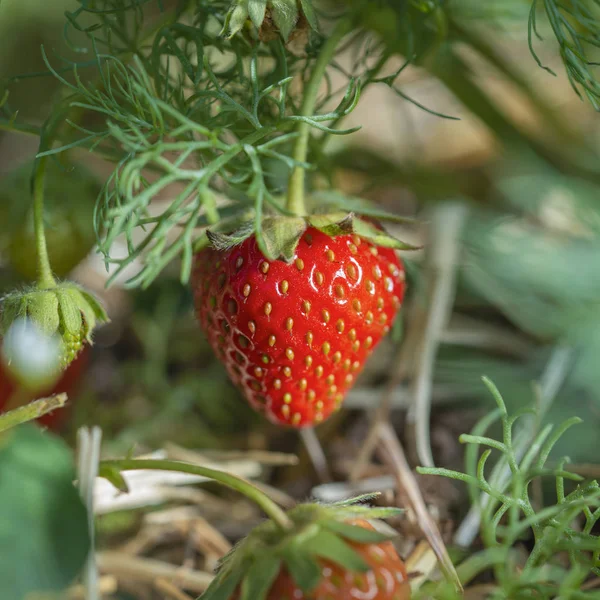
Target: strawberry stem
(276, 514)
(295, 200)
(45, 278)
(30, 412)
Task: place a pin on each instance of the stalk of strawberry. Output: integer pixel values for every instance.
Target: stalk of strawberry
(312, 552)
(294, 305)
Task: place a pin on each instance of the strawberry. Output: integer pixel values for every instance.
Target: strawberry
(294, 335)
(386, 578)
(67, 384)
(330, 553)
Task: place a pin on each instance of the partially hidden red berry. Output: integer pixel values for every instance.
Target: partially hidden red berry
(386, 578)
(67, 384)
(295, 336)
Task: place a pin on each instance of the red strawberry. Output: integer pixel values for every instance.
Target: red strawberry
(294, 336)
(67, 384)
(386, 578)
(326, 553)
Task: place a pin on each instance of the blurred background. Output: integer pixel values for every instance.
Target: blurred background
(502, 173)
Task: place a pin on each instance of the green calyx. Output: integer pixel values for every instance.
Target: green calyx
(265, 19)
(319, 533)
(67, 311)
(278, 237)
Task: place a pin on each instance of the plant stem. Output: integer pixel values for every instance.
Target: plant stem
(29, 412)
(12, 126)
(45, 278)
(295, 200)
(232, 481)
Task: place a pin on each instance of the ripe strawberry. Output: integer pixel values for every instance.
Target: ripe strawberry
(328, 554)
(386, 578)
(67, 384)
(295, 335)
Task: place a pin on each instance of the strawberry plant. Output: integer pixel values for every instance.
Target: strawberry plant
(222, 130)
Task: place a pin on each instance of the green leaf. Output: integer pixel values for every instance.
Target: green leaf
(43, 310)
(94, 306)
(260, 578)
(10, 311)
(69, 312)
(281, 236)
(310, 14)
(369, 512)
(224, 585)
(235, 19)
(44, 538)
(352, 204)
(223, 242)
(358, 499)
(285, 15)
(256, 10)
(333, 224)
(113, 475)
(304, 569)
(379, 237)
(356, 533)
(330, 546)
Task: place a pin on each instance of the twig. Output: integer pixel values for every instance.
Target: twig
(30, 412)
(315, 452)
(165, 587)
(393, 454)
(475, 333)
(446, 226)
(88, 457)
(283, 499)
(400, 397)
(263, 457)
(420, 564)
(401, 369)
(208, 538)
(554, 376)
(147, 570)
(106, 585)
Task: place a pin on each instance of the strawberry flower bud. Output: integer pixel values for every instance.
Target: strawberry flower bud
(66, 311)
